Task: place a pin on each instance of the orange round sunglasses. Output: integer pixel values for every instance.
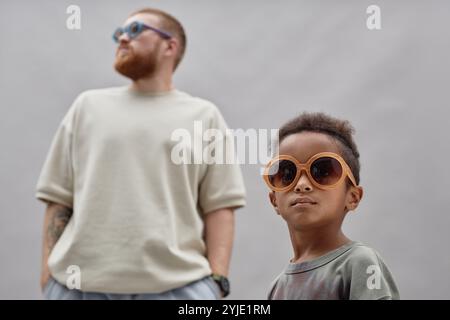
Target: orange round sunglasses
(325, 170)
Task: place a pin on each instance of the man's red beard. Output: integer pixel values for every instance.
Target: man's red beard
(135, 66)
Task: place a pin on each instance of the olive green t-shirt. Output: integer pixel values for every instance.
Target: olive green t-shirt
(353, 271)
(137, 223)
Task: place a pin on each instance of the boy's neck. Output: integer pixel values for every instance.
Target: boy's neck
(312, 244)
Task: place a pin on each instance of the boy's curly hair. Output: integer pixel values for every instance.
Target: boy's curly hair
(340, 130)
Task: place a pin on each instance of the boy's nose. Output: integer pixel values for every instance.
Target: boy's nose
(303, 184)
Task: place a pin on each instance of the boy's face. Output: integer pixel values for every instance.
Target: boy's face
(322, 207)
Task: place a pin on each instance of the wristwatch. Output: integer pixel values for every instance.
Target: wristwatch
(223, 283)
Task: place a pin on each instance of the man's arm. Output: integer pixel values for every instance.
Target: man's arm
(219, 234)
(56, 218)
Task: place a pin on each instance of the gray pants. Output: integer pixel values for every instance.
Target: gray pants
(203, 289)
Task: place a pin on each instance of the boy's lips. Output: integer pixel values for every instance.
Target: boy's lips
(302, 201)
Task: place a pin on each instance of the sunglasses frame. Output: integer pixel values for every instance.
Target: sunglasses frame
(346, 172)
(142, 26)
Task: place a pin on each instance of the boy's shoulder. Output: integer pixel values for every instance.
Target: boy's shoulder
(360, 254)
(361, 251)
(368, 275)
(361, 258)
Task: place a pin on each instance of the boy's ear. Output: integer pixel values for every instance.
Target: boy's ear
(273, 201)
(354, 196)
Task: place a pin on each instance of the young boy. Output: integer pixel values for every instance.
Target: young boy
(314, 182)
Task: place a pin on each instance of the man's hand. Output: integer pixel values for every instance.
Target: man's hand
(56, 218)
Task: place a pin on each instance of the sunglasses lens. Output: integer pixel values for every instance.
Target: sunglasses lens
(282, 173)
(326, 171)
(117, 34)
(134, 29)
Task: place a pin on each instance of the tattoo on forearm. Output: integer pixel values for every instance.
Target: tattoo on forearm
(57, 225)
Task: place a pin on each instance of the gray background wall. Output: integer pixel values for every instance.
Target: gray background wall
(261, 62)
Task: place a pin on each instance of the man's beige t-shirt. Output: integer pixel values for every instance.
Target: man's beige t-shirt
(138, 216)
